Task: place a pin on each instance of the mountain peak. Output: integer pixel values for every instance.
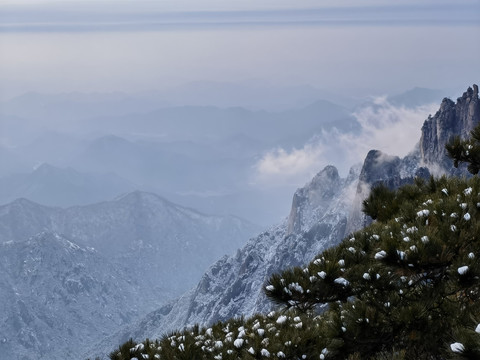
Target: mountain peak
(141, 197)
(316, 194)
(451, 119)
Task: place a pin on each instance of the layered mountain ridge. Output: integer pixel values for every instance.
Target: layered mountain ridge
(72, 276)
(323, 212)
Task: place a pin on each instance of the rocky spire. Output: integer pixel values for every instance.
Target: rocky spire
(314, 196)
(451, 119)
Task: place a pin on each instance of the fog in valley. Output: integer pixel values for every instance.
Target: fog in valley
(225, 108)
(77, 148)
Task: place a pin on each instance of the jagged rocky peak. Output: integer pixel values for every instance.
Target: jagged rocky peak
(451, 119)
(378, 166)
(318, 192)
(391, 171)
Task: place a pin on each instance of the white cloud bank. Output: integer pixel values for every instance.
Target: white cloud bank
(391, 129)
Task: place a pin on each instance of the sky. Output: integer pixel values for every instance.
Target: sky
(346, 46)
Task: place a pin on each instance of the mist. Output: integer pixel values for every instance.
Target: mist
(226, 108)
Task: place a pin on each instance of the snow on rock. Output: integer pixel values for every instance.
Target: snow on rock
(380, 255)
(462, 270)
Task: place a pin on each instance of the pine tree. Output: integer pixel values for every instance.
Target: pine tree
(408, 282)
(466, 151)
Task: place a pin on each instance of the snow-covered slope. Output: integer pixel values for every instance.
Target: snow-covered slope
(323, 212)
(122, 259)
(57, 296)
(138, 229)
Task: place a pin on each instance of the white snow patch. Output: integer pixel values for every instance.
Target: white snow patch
(238, 343)
(462, 270)
(412, 229)
(457, 347)
(423, 213)
(265, 352)
(341, 281)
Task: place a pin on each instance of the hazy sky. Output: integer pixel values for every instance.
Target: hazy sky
(137, 45)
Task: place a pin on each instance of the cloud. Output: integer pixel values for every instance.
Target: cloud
(76, 16)
(393, 130)
(281, 167)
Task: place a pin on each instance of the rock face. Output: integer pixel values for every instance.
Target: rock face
(115, 261)
(323, 212)
(451, 119)
(427, 158)
(313, 197)
(392, 171)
